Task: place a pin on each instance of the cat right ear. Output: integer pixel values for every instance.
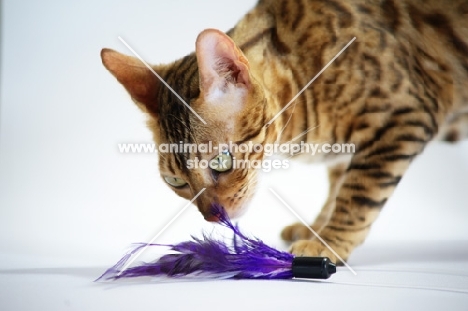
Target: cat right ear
(221, 63)
(137, 79)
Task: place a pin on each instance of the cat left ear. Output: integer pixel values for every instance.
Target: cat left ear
(137, 79)
(220, 62)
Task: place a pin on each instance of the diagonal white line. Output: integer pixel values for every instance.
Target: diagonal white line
(302, 134)
(311, 230)
(161, 79)
(137, 254)
(310, 82)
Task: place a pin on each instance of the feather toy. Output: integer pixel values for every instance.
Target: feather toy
(208, 257)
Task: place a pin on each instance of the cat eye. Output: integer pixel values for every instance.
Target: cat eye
(175, 181)
(222, 162)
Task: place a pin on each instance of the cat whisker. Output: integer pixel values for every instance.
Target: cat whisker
(247, 185)
(298, 136)
(186, 127)
(303, 133)
(299, 153)
(250, 181)
(289, 119)
(178, 119)
(315, 142)
(162, 156)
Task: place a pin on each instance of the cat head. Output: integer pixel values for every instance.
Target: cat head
(228, 110)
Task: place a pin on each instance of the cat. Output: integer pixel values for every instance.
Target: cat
(401, 84)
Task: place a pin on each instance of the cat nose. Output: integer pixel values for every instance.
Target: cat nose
(212, 218)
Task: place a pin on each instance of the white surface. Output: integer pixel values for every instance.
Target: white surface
(412, 276)
(69, 199)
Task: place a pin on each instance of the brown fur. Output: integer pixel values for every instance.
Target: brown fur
(401, 84)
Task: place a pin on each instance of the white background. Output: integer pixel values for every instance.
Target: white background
(65, 190)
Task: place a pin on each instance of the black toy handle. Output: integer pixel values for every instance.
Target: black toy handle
(312, 267)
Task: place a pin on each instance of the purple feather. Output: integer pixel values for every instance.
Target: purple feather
(246, 258)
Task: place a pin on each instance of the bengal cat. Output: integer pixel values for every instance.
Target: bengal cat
(401, 84)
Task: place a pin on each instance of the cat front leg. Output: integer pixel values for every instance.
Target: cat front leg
(370, 179)
(298, 231)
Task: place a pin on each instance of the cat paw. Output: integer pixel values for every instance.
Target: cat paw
(296, 232)
(315, 248)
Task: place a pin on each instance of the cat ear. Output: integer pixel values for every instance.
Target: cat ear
(137, 79)
(220, 62)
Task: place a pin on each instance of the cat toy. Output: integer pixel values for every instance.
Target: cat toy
(209, 257)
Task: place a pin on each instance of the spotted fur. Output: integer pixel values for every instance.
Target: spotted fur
(400, 85)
